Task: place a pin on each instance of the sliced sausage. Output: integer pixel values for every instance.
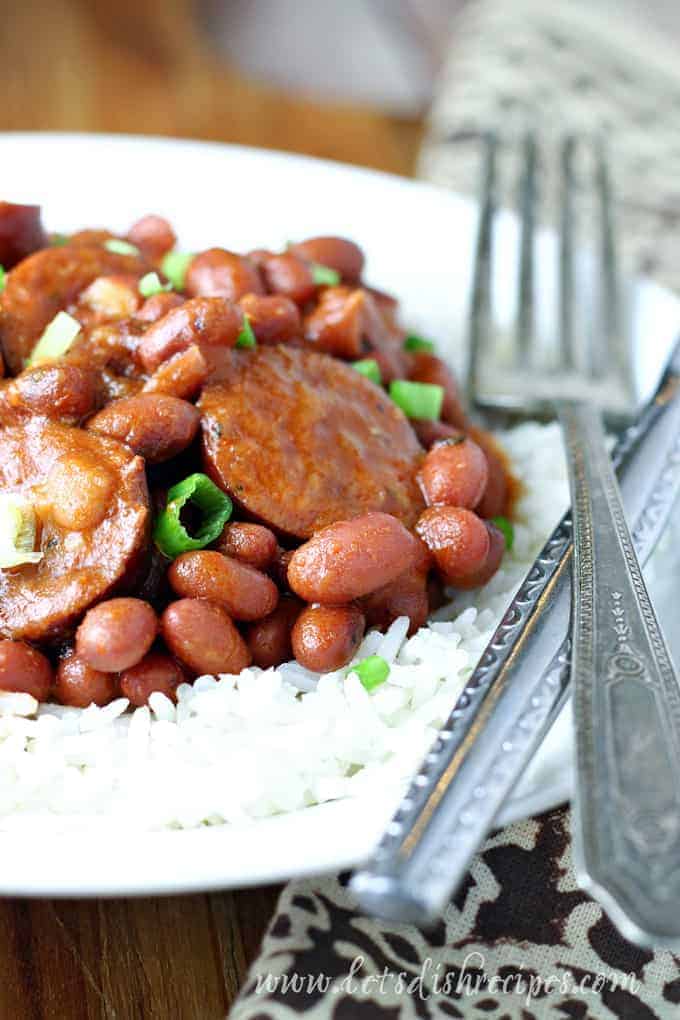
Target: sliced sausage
(352, 558)
(48, 282)
(155, 426)
(301, 440)
(72, 478)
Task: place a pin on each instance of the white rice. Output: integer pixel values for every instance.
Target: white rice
(263, 742)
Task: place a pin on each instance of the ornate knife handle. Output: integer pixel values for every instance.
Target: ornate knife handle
(626, 821)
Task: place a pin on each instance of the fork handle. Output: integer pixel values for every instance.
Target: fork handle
(626, 822)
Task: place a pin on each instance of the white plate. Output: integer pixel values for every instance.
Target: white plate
(419, 241)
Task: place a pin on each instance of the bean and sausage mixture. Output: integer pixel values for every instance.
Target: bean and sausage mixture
(213, 460)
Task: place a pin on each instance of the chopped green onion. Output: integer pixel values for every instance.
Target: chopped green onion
(324, 276)
(506, 526)
(370, 368)
(170, 535)
(17, 531)
(418, 400)
(418, 343)
(246, 337)
(3, 278)
(175, 265)
(151, 284)
(372, 671)
(58, 240)
(119, 247)
(56, 340)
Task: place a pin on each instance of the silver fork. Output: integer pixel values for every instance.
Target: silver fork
(626, 697)
(627, 818)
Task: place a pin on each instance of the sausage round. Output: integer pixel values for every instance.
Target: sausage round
(352, 558)
(154, 425)
(47, 282)
(202, 635)
(301, 440)
(325, 638)
(79, 566)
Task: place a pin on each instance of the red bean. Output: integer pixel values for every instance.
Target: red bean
(250, 543)
(155, 673)
(62, 390)
(208, 322)
(220, 273)
(116, 634)
(158, 305)
(455, 472)
(407, 596)
(21, 232)
(337, 253)
(79, 685)
(458, 540)
(24, 670)
(496, 498)
(245, 593)
(491, 563)
(278, 569)
(351, 558)
(269, 640)
(154, 425)
(153, 235)
(275, 319)
(430, 432)
(325, 638)
(202, 636)
(289, 275)
(427, 368)
(181, 376)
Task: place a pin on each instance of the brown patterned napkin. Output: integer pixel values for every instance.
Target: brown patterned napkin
(520, 941)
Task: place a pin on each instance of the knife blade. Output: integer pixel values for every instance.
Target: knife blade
(514, 694)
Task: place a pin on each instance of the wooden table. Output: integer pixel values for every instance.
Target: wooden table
(143, 66)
